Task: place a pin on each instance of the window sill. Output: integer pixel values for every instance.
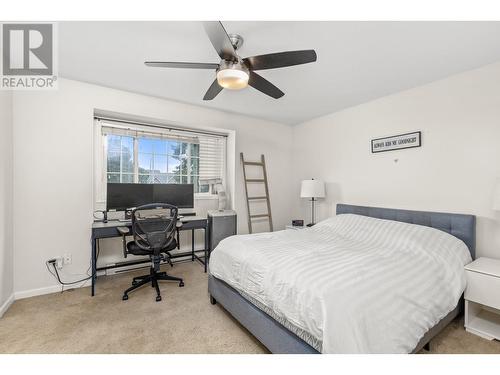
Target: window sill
(207, 196)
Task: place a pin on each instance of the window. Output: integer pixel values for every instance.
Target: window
(120, 163)
(152, 155)
(159, 161)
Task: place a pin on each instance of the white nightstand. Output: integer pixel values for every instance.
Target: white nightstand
(291, 227)
(482, 298)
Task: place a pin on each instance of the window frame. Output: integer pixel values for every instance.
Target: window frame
(101, 152)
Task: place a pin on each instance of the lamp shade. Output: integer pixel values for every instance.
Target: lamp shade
(496, 196)
(312, 189)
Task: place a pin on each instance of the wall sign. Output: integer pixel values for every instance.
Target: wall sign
(397, 142)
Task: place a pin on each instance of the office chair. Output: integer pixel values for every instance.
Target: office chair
(154, 235)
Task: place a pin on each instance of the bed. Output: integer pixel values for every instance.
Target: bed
(341, 310)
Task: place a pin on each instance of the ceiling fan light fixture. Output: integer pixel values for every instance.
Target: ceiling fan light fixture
(234, 72)
(234, 77)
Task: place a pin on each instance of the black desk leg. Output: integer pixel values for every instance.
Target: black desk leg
(207, 250)
(178, 239)
(93, 260)
(192, 245)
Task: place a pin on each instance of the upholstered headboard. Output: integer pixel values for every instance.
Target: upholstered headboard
(458, 225)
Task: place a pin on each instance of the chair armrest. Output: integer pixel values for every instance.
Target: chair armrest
(124, 231)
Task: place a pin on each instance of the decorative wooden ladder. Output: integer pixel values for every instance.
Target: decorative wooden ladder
(263, 180)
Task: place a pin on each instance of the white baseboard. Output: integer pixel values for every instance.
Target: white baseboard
(37, 292)
(6, 305)
(47, 290)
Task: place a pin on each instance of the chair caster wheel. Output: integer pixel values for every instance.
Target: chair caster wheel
(181, 284)
(134, 283)
(158, 298)
(125, 297)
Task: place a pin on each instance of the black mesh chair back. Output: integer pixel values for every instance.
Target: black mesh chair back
(154, 232)
(154, 235)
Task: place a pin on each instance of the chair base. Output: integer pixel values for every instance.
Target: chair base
(152, 278)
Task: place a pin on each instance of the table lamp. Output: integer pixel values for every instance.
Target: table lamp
(312, 189)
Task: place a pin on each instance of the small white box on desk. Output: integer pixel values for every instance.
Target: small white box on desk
(482, 298)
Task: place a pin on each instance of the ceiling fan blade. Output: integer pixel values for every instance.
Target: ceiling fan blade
(185, 65)
(212, 91)
(264, 86)
(280, 59)
(220, 40)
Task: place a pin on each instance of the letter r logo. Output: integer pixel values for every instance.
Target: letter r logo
(27, 49)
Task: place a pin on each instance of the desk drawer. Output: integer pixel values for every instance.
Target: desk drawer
(483, 289)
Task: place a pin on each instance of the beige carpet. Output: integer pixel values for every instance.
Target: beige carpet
(184, 322)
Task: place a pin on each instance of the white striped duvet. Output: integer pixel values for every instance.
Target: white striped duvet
(354, 283)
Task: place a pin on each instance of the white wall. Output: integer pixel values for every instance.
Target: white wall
(6, 243)
(454, 171)
(53, 169)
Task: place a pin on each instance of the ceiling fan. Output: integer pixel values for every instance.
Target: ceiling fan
(235, 73)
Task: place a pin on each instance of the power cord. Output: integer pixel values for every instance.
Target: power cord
(57, 276)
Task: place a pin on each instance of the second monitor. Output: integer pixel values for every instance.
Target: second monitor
(179, 195)
(124, 196)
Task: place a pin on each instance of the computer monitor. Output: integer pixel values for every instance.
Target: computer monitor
(179, 195)
(121, 197)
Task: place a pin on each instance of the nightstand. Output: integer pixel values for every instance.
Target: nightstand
(482, 298)
(291, 227)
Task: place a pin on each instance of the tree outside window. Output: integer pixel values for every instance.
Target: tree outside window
(152, 161)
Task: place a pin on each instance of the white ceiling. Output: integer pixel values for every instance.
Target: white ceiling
(357, 61)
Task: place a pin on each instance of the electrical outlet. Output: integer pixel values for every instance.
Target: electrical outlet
(59, 263)
(67, 258)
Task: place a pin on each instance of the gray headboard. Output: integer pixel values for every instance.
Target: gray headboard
(458, 225)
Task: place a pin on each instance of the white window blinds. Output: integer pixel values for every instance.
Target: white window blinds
(212, 156)
(141, 132)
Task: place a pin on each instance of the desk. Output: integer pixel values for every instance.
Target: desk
(108, 230)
